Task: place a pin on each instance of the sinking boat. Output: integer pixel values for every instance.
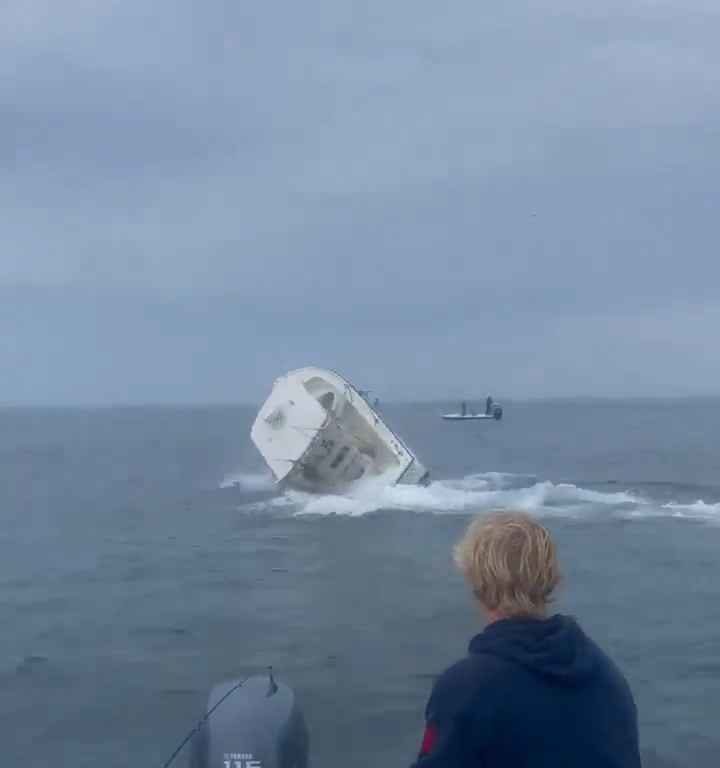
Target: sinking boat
(318, 433)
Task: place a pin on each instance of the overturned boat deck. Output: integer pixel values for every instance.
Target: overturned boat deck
(317, 432)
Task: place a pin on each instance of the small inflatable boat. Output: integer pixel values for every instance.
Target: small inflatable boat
(493, 411)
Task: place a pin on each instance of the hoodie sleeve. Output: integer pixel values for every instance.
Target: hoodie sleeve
(441, 746)
(454, 734)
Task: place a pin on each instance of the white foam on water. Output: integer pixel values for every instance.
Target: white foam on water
(249, 481)
(699, 510)
(472, 494)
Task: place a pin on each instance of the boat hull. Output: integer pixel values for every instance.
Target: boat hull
(473, 417)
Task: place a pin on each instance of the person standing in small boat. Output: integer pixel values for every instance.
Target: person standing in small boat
(534, 690)
(463, 408)
(488, 405)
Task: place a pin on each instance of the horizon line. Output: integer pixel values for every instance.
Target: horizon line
(529, 399)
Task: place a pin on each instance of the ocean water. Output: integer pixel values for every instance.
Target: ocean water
(145, 556)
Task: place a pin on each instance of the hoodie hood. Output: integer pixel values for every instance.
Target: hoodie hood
(553, 648)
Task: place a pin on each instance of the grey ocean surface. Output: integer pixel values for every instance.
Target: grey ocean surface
(144, 556)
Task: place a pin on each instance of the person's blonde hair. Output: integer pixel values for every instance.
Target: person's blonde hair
(509, 560)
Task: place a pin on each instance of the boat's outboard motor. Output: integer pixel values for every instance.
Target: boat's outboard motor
(497, 412)
(259, 725)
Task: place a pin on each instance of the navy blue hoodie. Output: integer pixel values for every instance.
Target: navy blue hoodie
(532, 693)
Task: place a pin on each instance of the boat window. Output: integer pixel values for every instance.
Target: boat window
(342, 453)
(327, 401)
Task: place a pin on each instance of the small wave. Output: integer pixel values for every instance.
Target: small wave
(494, 481)
(698, 510)
(256, 482)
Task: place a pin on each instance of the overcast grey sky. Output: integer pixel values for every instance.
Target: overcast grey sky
(434, 198)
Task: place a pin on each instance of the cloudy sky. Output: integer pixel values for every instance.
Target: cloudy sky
(437, 199)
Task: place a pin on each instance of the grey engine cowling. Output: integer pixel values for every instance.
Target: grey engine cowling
(258, 726)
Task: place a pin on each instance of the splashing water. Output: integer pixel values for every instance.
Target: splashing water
(475, 493)
(468, 495)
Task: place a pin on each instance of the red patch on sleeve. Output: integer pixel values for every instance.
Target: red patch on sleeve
(430, 738)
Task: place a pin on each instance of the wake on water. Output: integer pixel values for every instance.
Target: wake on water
(471, 494)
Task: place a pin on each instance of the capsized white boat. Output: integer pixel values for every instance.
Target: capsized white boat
(317, 432)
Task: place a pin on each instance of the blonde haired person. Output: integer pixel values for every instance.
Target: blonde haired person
(534, 690)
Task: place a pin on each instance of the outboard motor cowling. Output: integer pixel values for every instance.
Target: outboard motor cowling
(259, 725)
